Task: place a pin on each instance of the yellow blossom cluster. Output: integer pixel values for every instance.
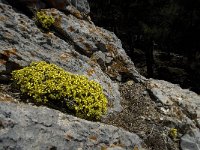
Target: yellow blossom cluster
(173, 133)
(44, 20)
(47, 82)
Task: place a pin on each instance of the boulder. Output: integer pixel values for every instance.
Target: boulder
(180, 103)
(191, 140)
(30, 127)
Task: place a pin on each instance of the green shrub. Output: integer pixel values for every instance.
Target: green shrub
(44, 20)
(47, 82)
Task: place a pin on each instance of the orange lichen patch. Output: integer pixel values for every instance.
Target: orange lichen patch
(93, 137)
(92, 30)
(117, 67)
(80, 39)
(110, 89)
(9, 52)
(87, 45)
(71, 29)
(8, 36)
(78, 15)
(135, 147)
(120, 65)
(54, 12)
(6, 98)
(65, 56)
(92, 62)
(74, 54)
(68, 137)
(2, 62)
(179, 114)
(50, 34)
(103, 34)
(23, 28)
(104, 147)
(112, 73)
(110, 104)
(81, 21)
(112, 49)
(2, 18)
(87, 48)
(74, 11)
(90, 72)
(117, 145)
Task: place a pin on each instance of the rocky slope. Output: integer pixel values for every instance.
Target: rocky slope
(149, 108)
(28, 127)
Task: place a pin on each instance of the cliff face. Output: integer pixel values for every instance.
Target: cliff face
(146, 107)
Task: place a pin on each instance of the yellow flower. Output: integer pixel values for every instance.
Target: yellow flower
(173, 133)
(47, 82)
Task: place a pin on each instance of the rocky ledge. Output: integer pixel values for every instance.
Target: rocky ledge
(150, 108)
(30, 127)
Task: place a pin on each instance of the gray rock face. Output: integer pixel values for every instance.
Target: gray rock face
(21, 42)
(181, 109)
(92, 41)
(81, 5)
(29, 127)
(182, 103)
(191, 140)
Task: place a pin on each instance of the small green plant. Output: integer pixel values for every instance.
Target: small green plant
(44, 20)
(47, 83)
(173, 133)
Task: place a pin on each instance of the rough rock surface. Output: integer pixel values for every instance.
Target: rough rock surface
(181, 108)
(190, 141)
(181, 103)
(98, 44)
(80, 47)
(21, 42)
(29, 127)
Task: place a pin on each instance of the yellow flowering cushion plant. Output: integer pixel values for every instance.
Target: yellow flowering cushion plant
(44, 20)
(47, 83)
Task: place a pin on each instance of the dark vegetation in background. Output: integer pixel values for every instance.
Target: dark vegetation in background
(171, 26)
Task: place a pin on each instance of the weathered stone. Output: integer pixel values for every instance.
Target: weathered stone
(81, 5)
(21, 42)
(188, 102)
(89, 39)
(160, 96)
(191, 140)
(30, 127)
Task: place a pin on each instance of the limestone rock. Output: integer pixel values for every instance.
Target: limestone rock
(191, 140)
(21, 42)
(92, 41)
(30, 127)
(184, 104)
